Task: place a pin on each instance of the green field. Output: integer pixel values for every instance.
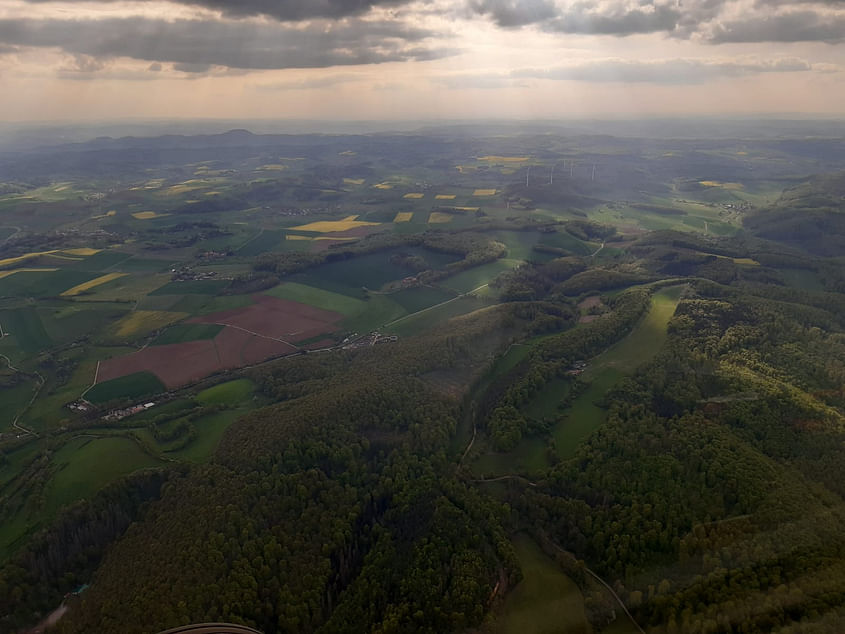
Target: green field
(602, 373)
(380, 310)
(182, 333)
(428, 318)
(99, 261)
(266, 241)
(230, 393)
(130, 386)
(319, 298)
(350, 276)
(471, 279)
(43, 284)
(210, 430)
(416, 299)
(24, 331)
(197, 287)
(546, 601)
(85, 465)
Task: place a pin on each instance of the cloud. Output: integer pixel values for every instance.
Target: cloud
(709, 21)
(513, 13)
(793, 26)
(195, 45)
(670, 71)
(284, 10)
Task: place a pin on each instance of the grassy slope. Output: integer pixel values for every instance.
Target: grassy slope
(606, 369)
(546, 601)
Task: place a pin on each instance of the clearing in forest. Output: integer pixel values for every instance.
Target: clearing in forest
(546, 600)
(602, 373)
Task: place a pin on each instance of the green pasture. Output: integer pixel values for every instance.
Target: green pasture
(350, 276)
(318, 298)
(419, 298)
(265, 241)
(133, 385)
(545, 403)
(380, 310)
(43, 283)
(184, 332)
(13, 400)
(71, 321)
(207, 304)
(546, 601)
(194, 287)
(434, 316)
(144, 265)
(85, 465)
(210, 430)
(230, 393)
(130, 288)
(477, 276)
(24, 330)
(603, 371)
(101, 261)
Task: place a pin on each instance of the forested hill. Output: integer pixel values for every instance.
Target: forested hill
(810, 216)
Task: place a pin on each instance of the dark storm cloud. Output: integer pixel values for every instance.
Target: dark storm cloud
(194, 44)
(672, 71)
(286, 10)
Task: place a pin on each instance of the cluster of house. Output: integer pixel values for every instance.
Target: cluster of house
(372, 339)
(119, 414)
(576, 368)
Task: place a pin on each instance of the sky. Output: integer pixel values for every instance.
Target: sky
(395, 60)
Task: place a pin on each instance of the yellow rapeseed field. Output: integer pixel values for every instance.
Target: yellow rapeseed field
(292, 237)
(404, 216)
(81, 288)
(23, 258)
(503, 159)
(273, 167)
(484, 192)
(147, 215)
(445, 197)
(83, 251)
(146, 321)
(722, 185)
(353, 181)
(466, 208)
(437, 217)
(383, 186)
(13, 271)
(330, 226)
(413, 195)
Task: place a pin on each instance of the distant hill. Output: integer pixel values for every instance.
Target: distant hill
(810, 216)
